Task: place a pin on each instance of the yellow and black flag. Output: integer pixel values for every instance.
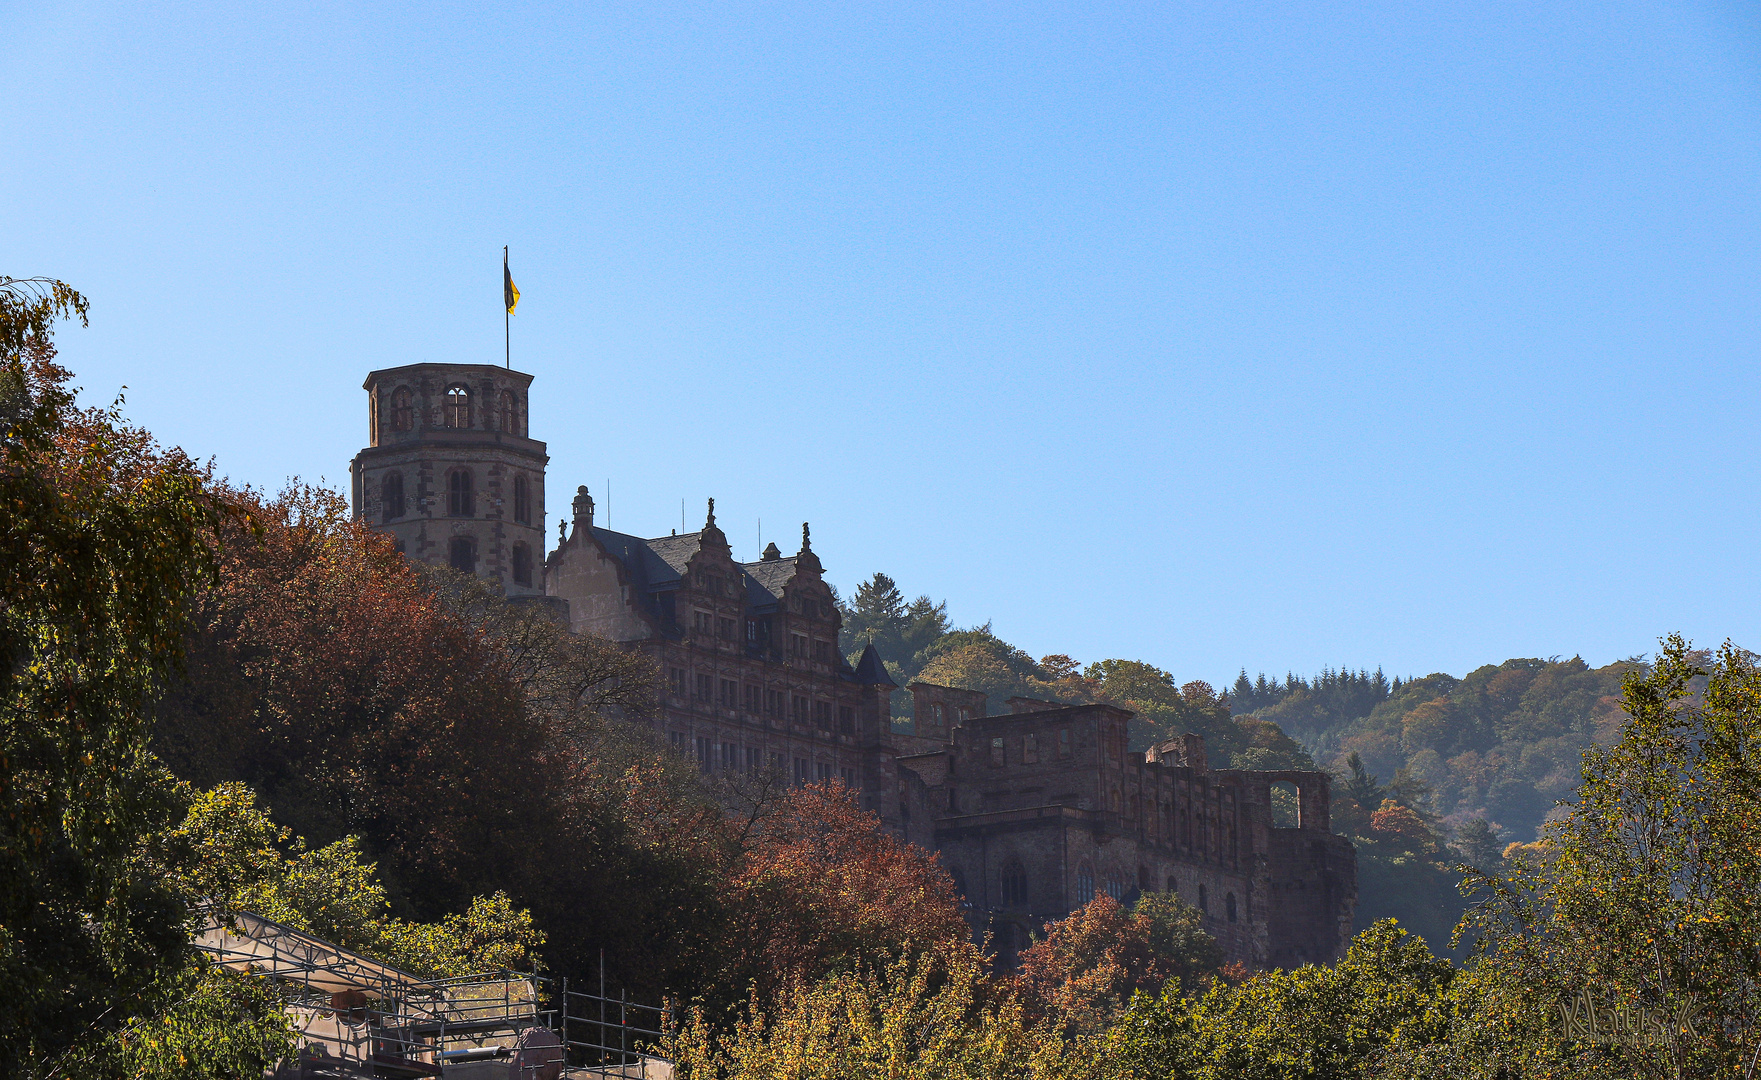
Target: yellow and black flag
(509, 294)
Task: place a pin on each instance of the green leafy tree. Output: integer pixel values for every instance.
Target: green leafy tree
(1313, 1023)
(1648, 891)
(104, 538)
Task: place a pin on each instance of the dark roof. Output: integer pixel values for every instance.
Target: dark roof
(869, 668)
(771, 575)
(647, 567)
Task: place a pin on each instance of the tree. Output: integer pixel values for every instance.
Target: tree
(823, 888)
(913, 1017)
(1647, 893)
(104, 539)
(1081, 974)
(1314, 1023)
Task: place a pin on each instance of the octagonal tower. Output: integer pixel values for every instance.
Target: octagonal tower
(450, 472)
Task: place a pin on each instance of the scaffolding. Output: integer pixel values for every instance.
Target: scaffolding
(356, 1017)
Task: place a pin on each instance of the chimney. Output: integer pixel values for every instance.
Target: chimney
(583, 508)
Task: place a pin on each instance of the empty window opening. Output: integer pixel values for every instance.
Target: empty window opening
(402, 415)
(461, 501)
(522, 501)
(1014, 882)
(1286, 803)
(462, 554)
(1229, 906)
(391, 497)
(456, 411)
(522, 557)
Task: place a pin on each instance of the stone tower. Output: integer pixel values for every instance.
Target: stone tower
(450, 472)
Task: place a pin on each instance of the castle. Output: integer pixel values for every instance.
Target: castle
(1034, 811)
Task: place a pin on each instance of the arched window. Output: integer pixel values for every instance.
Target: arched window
(522, 501)
(1143, 880)
(1229, 906)
(936, 715)
(522, 564)
(456, 412)
(391, 497)
(1204, 902)
(402, 415)
(959, 880)
(1173, 885)
(1115, 887)
(373, 419)
(1085, 884)
(463, 554)
(509, 418)
(953, 801)
(460, 501)
(1014, 886)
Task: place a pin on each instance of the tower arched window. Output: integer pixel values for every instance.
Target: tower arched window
(1229, 906)
(1204, 900)
(510, 420)
(522, 557)
(1014, 882)
(456, 412)
(373, 419)
(1085, 884)
(463, 554)
(1115, 887)
(402, 415)
(522, 501)
(391, 497)
(459, 497)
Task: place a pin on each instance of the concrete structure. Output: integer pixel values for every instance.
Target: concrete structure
(1034, 812)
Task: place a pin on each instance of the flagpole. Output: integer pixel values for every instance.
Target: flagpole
(507, 322)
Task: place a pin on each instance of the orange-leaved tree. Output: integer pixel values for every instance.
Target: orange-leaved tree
(1081, 974)
(823, 888)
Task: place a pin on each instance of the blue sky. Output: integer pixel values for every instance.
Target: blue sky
(1214, 335)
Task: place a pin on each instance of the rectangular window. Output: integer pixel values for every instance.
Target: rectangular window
(705, 624)
(798, 707)
(678, 681)
(825, 773)
(730, 693)
(754, 759)
(678, 738)
(846, 720)
(754, 698)
(1030, 749)
(706, 687)
(798, 645)
(997, 751)
(822, 715)
(822, 651)
(773, 702)
(1063, 742)
(704, 749)
(779, 763)
(730, 756)
(849, 778)
(800, 771)
(724, 629)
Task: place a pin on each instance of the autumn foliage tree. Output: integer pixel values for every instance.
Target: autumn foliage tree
(1083, 972)
(822, 888)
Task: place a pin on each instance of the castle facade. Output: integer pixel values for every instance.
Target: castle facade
(1034, 811)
